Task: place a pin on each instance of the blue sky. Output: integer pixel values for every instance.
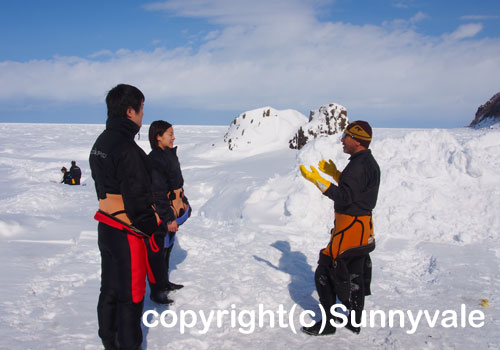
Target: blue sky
(396, 63)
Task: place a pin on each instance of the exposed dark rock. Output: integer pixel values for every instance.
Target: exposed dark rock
(327, 120)
(488, 113)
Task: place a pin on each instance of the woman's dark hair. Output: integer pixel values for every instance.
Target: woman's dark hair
(121, 97)
(157, 128)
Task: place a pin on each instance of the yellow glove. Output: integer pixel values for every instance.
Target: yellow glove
(329, 168)
(315, 178)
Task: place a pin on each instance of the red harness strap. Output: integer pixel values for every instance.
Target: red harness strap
(118, 224)
(138, 253)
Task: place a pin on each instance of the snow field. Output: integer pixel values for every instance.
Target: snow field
(254, 237)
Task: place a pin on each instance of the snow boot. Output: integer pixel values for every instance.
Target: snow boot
(349, 326)
(172, 286)
(160, 297)
(315, 329)
(353, 329)
(110, 344)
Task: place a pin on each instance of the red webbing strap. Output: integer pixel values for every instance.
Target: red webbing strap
(153, 245)
(118, 224)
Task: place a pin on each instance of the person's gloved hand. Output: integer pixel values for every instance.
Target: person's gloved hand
(329, 168)
(315, 178)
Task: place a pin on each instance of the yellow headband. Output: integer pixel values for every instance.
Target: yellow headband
(358, 132)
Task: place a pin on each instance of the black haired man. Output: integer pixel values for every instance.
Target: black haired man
(121, 173)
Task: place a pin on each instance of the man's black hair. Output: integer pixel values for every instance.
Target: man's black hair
(121, 97)
(158, 127)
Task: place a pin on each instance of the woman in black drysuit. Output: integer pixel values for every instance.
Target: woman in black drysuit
(171, 204)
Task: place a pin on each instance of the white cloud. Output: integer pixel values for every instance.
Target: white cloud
(282, 56)
(465, 31)
(241, 12)
(406, 24)
(479, 17)
(101, 53)
(403, 4)
(419, 16)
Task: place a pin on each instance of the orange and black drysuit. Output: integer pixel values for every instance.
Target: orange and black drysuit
(121, 173)
(169, 199)
(344, 266)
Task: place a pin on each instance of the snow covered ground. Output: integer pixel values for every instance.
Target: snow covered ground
(253, 241)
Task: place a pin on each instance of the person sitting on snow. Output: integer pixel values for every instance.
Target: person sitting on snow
(67, 179)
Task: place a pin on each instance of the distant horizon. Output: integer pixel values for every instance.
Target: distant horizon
(97, 114)
(220, 125)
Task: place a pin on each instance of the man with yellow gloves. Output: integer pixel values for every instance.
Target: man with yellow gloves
(343, 274)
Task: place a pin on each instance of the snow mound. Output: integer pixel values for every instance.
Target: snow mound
(263, 129)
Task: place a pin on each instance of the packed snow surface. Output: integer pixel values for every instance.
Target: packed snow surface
(253, 241)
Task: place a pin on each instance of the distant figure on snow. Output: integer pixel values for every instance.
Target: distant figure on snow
(76, 172)
(67, 179)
